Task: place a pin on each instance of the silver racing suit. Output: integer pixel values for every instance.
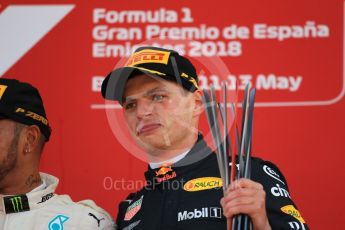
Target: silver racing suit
(43, 209)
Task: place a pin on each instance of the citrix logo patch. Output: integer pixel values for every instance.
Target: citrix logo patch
(213, 212)
(279, 191)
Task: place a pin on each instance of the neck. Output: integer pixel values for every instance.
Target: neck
(159, 155)
(20, 183)
(163, 157)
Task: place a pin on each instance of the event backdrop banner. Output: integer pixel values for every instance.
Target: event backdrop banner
(292, 52)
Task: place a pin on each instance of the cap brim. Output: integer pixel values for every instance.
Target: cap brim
(114, 84)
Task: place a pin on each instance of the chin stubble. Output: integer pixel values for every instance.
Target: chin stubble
(10, 162)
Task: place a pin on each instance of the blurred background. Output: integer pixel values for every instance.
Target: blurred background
(291, 51)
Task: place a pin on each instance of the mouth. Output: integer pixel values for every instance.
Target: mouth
(147, 129)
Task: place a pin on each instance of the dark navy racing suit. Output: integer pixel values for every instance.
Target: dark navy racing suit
(187, 196)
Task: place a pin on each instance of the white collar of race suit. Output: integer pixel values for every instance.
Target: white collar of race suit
(40, 187)
(154, 165)
(30, 201)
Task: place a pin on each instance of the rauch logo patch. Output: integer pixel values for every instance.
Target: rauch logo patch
(203, 183)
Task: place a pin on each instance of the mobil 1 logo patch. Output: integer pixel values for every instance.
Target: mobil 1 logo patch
(272, 173)
(206, 212)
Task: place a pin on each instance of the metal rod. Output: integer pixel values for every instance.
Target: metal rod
(226, 143)
(243, 132)
(247, 171)
(217, 133)
(213, 123)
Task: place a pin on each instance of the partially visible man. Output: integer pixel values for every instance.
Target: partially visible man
(27, 197)
(162, 103)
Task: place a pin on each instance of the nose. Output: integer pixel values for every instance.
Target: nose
(144, 108)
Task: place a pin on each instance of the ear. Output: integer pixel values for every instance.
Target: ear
(31, 138)
(198, 107)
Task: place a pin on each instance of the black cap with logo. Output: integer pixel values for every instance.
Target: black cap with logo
(21, 102)
(159, 62)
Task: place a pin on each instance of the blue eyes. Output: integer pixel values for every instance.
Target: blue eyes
(157, 97)
(154, 98)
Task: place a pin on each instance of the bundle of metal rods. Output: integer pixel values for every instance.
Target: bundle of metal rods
(242, 144)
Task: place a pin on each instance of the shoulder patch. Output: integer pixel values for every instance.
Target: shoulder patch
(269, 171)
(292, 211)
(133, 209)
(273, 171)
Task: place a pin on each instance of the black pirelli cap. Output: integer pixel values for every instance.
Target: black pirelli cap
(21, 102)
(153, 61)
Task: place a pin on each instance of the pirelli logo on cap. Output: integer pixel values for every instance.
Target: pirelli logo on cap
(203, 183)
(292, 211)
(33, 115)
(2, 90)
(148, 56)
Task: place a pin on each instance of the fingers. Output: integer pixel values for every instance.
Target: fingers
(250, 205)
(244, 183)
(237, 201)
(250, 209)
(245, 196)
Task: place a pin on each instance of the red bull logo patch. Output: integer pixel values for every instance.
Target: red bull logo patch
(163, 170)
(165, 173)
(166, 177)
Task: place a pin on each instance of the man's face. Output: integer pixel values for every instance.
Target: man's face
(159, 113)
(8, 148)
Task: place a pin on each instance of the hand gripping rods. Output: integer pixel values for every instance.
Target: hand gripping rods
(223, 147)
